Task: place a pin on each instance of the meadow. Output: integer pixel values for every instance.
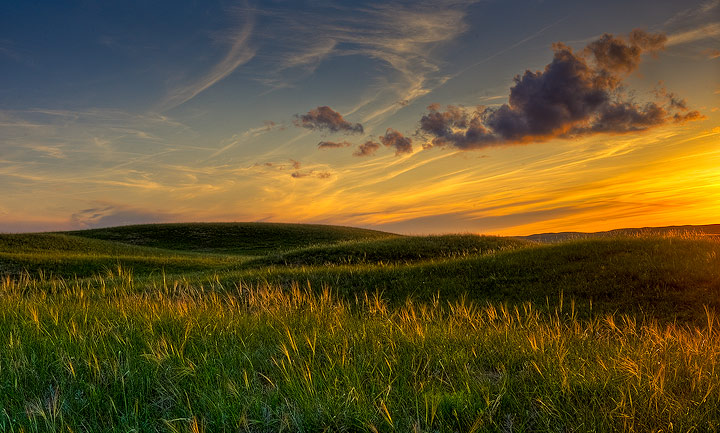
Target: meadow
(279, 327)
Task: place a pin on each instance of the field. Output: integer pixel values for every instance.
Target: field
(278, 327)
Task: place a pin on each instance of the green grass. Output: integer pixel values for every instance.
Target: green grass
(431, 334)
(230, 238)
(400, 250)
(67, 256)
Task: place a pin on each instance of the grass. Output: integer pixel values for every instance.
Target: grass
(428, 334)
(230, 238)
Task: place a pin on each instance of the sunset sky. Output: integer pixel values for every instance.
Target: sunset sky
(497, 116)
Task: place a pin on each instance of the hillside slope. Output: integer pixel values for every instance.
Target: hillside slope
(230, 238)
(709, 231)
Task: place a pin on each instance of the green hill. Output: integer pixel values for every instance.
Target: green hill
(708, 231)
(275, 327)
(66, 256)
(230, 238)
(663, 277)
(399, 250)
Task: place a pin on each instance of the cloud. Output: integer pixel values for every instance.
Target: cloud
(291, 165)
(395, 139)
(367, 149)
(333, 144)
(710, 30)
(392, 138)
(116, 215)
(402, 38)
(325, 118)
(695, 12)
(296, 169)
(576, 94)
(311, 173)
(687, 117)
(240, 53)
(616, 55)
(236, 139)
(454, 127)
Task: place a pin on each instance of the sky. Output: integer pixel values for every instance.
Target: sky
(496, 116)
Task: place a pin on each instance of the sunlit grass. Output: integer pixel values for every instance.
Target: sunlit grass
(430, 334)
(108, 356)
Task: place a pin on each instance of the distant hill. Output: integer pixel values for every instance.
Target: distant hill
(636, 271)
(230, 238)
(710, 230)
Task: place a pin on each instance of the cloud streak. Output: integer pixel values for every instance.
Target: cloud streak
(240, 53)
(110, 215)
(402, 37)
(333, 144)
(707, 31)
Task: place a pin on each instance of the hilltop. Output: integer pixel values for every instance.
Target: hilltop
(230, 238)
(629, 271)
(709, 230)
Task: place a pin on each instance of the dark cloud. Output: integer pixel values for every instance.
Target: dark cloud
(688, 117)
(619, 55)
(333, 144)
(456, 127)
(393, 138)
(311, 173)
(325, 118)
(673, 100)
(367, 149)
(576, 94)
(624, 117)
(292, 165)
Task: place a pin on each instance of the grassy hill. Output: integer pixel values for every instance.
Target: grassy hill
(230, 238)
(163, 248)
(709, 231)
(67, 256)
(664, 277)
(274, 327)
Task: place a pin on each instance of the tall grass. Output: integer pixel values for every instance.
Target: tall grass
(112, 354)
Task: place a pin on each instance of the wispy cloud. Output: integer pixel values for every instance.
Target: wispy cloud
(109, 215)
(237, 139)
(240, 52)
(700, 11)
(707, 31)
(401, 36)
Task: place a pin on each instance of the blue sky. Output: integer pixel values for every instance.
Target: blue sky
(129, 112)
